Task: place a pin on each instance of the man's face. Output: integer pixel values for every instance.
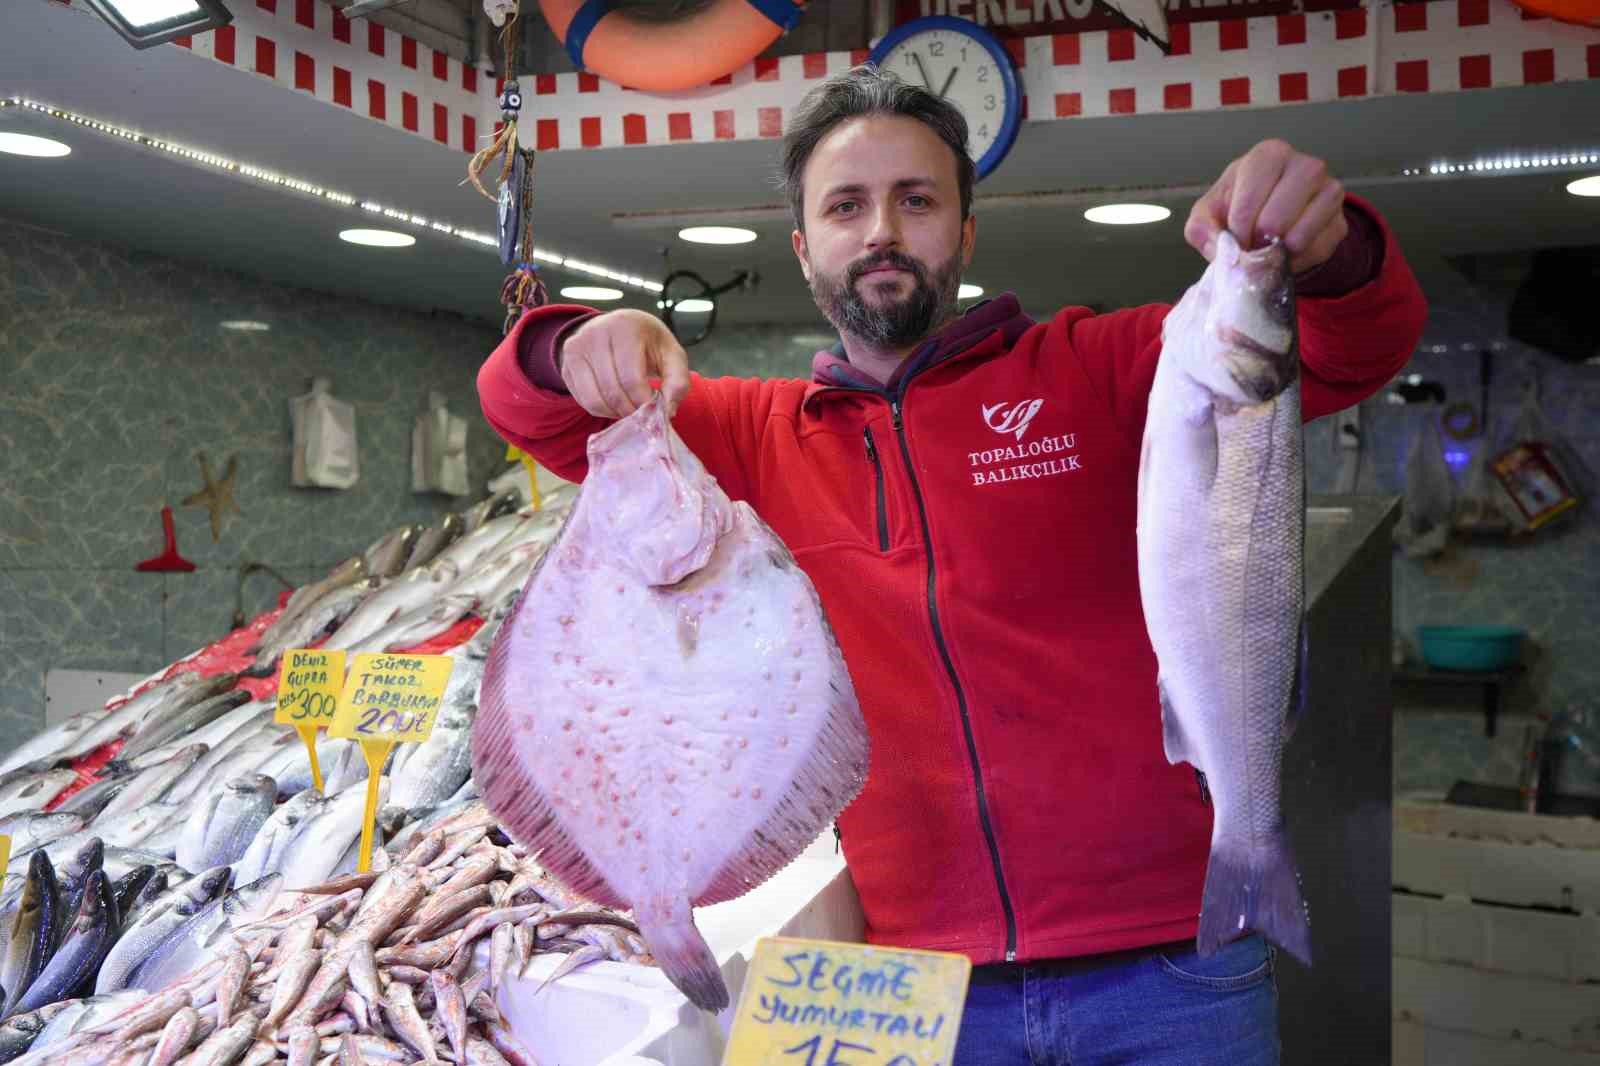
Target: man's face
(884, 244)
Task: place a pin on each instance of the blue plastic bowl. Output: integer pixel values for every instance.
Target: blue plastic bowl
(1471, 648)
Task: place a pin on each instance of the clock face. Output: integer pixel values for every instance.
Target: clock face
(958, 67)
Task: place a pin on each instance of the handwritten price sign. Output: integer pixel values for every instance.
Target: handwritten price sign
(822, 1003)
(308, 686)
(391, 697)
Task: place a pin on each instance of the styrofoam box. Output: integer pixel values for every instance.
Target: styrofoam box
(619, 1014)
(1420, 1045)
(1563, 947)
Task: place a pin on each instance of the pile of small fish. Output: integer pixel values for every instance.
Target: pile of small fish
(398, 965)
(208, 804)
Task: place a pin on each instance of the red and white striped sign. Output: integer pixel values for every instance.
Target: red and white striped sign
(1438, 46)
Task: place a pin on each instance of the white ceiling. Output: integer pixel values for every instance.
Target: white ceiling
(111, 190)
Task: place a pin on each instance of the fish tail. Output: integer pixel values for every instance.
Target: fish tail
(1254, 888)
(686, 959)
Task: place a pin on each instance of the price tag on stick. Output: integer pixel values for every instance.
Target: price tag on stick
(825, 1003)
(308, 694)
(388, 700)
(5, 856)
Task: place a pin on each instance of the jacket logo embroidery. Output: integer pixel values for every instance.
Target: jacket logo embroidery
(1007, 418)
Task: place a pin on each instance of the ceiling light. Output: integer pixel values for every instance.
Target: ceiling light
(717, 234)
(1126, 214)
(967, 292)
(143, 23)
(284, 182)
(27, 144)
(378, 238)
(246, 325)
(693, 306)
(591, 292)
(1589, 186)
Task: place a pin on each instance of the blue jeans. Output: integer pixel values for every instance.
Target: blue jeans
(1158, 1008)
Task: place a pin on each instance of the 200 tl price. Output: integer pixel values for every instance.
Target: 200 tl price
(375, 721)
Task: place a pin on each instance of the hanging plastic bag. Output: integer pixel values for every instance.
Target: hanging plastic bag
(439, 450)
(1429, 508)
(1537, 476)
(325, 454)
(1478, 507)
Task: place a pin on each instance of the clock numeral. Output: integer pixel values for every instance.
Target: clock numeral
(936, 48)
(983, 131)
(963, 53)
(983, 73)
(988, 102)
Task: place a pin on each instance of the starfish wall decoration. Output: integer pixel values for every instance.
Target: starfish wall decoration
(217, 496)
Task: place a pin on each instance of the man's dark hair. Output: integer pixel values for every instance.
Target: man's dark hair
(866, 90)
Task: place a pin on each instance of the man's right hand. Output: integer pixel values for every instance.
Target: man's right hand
(608, 362)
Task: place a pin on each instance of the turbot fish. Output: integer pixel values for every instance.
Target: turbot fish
(666, 717)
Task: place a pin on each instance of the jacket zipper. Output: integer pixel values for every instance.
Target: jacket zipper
(877, 472)
(955, 682)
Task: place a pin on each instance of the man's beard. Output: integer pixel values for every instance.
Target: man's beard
(898, 324)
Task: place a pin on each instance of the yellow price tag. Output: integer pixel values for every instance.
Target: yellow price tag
(308, 693)
(391, 697)
(824, 1003)
(5, 855)
(515, 453)
(388, 700)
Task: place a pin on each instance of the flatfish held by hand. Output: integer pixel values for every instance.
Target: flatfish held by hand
(1221, 541)
(666, 716)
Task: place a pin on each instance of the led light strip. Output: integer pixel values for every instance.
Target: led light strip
(308, 188)
(1502, 164)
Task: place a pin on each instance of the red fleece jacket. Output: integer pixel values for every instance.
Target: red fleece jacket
(970, 529)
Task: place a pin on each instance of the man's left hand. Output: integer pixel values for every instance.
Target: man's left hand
(1272, 191)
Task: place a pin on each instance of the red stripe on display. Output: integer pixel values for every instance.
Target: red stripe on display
(377, 100)
(1294, 88)
(305, 72)
(408, 111)
(341, 86)
(766, 68)
(1476, 72)
(1179, 97)
(1291, 29)
(1411, 76)
(305, 13)
(1351, 22)
(1410, 17)
(1234, 34)
(544, 84)
(1123, 101)
(1119, 45)
(816, 65)
(632, 129)
(680, 127)
(1472, 13)
(1065, 50)
(441, 124)
(441, 65)
(469, 78)
(1180, 43)
(769, 121)
(1353, 81)
(266, 57)
(223, 43)
(375, 38)
(722, 125)
(1235, 91)
(341, 28)
(549, 134)
(469, 133)
(1539, 66)
(408, 52)
(1069, 105)
(589, 131)
(588, 83)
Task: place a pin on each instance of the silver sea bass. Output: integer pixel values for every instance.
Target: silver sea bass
(1221, 538)
(665, 715)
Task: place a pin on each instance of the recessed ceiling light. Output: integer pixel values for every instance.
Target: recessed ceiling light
(693, 306)
(27, 144)
(143, 23)
(967, 292)
(717, 234)
(1589, 186)
(378, 238)
(591, 292)
(246, 325)
(1127, 214)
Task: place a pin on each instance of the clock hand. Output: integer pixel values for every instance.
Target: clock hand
(947, 82)
(925, 80)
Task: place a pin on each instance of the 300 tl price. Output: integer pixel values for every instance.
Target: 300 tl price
(307, 704)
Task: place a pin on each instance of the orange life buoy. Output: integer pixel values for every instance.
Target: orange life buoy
(666, 57)
(1582, 12)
